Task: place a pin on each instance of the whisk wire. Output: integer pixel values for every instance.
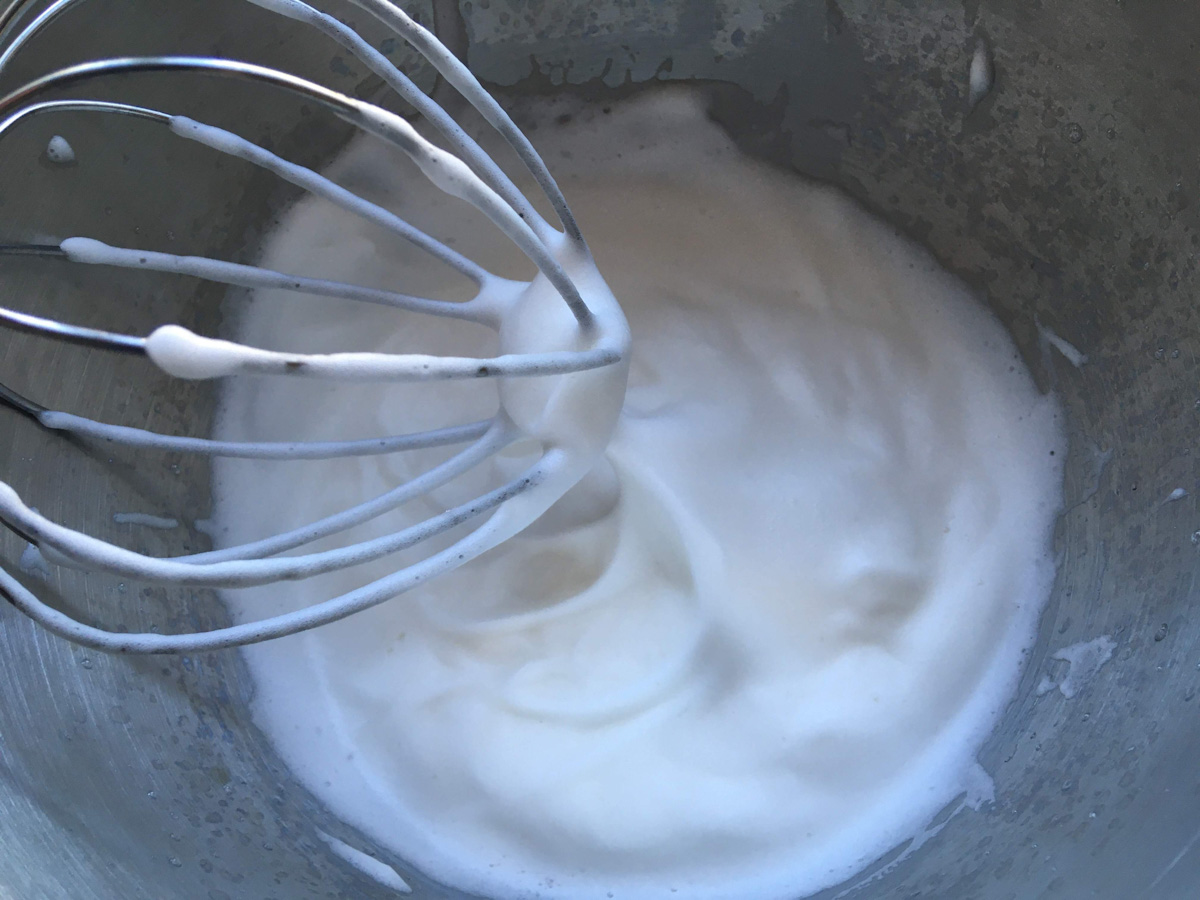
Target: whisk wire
(232, 145)
(447, 65)
(459, 76)
(467, 173)
(65, 546)
(92, 252)
(72, 334)
(445, 170)
(318, 185)
(499, 435)
(457, 554)
(283, 451)
(460, 142)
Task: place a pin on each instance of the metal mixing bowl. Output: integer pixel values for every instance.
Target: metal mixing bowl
(1066, 197)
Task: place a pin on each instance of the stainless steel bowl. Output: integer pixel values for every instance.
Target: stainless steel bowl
(1066, 197)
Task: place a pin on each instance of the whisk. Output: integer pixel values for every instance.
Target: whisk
(562, 370)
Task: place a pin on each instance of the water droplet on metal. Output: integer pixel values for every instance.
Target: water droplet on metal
(1074, 132)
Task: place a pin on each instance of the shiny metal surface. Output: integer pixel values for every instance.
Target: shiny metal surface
(1067, 197)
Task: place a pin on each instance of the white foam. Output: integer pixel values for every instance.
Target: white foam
(145, 520)
(60, 151)
(367, 864)
(827, 553)
(33, 563)
(982, 73)
(1069, 351)
(1085, 660)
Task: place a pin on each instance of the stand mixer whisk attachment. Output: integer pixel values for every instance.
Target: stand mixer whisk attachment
(562, 370)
